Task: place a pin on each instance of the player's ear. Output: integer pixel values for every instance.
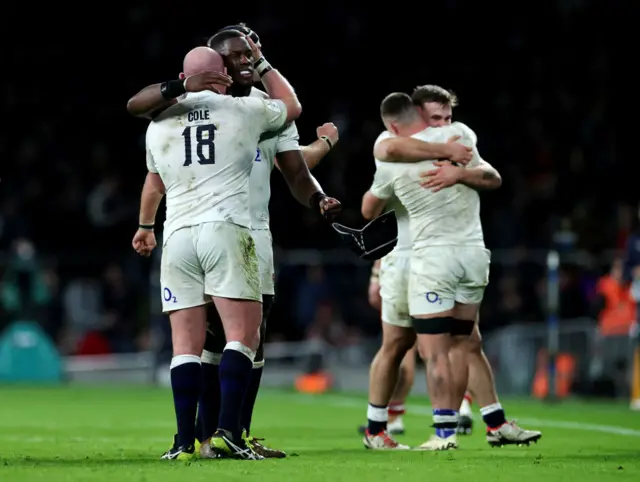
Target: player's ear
(393, 128)
(183, 76)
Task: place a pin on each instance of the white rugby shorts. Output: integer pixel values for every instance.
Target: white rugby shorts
(210, 259)
(443, 275)
(394, 289)
(264, 250)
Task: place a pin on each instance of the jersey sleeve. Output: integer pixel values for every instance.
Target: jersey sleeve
(288, 139)
(382, 186)
(384, 135)
(470, 139)
(151, 163)
(268, 114)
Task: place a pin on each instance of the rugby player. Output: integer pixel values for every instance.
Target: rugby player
(437, 111)
(200, 151)
(435, 105)
(448, 270)
(230, 42)
(398, 336)
(282, 150)
(407, 370)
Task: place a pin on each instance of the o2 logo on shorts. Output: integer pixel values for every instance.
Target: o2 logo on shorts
(258, 158)
(433, 297)
(168, 296)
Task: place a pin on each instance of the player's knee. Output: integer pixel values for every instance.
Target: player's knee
(397, 340)
(395, 352)
(215, 340)
(241, 348)
(475, 342)
(255, 340)
(250, 339)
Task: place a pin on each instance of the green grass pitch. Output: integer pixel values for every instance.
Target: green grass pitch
(118, 434)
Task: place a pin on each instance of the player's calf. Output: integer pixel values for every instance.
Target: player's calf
(187, 332)
(241, 320)
(434, 340)
(383, 377)
(461, 330)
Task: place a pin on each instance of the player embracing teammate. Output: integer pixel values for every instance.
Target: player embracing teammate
(433, 292)
(212, 154)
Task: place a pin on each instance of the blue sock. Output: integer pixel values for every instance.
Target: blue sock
(250, 399)
(185, 384)
(209, 405)
(445, 422)
(235, 374)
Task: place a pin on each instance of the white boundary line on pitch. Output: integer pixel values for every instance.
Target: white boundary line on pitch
(342, 401)
(330, 399)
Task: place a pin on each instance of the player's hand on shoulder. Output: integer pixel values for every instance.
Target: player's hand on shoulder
(144, 242)
(445, 175)
(207, 81)
(329, 207)
(459, 152)
(330, 131)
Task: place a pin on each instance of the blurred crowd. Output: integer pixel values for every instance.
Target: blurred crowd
(536, 85)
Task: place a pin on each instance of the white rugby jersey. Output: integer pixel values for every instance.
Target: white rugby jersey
(403, 246)
(271, 143)
(203, 148)
(450, 217)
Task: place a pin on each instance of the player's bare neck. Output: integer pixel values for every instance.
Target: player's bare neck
(413, 128)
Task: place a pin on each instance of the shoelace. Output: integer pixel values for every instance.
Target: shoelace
(249, 441)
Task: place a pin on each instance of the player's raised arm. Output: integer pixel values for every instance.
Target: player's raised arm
(149, 101)
(274, 82)
(303, 186)
(328, 137)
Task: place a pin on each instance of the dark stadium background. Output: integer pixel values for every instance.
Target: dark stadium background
(536, 81)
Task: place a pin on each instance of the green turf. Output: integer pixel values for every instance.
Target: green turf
(118, 434)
